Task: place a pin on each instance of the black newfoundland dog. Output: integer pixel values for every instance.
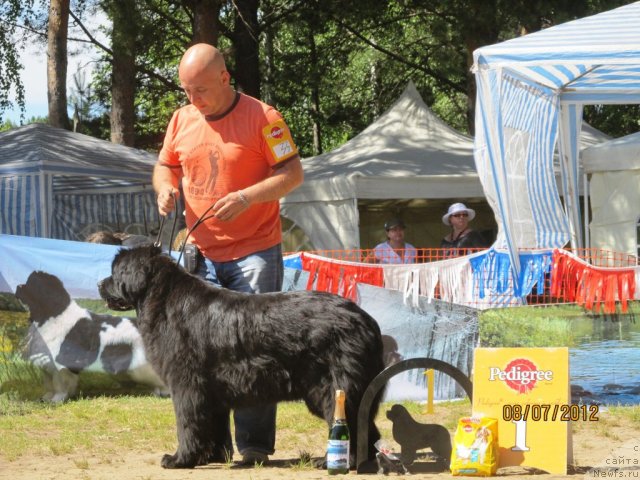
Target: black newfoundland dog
(218, 349)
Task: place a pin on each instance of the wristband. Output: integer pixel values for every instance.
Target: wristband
(243, 198)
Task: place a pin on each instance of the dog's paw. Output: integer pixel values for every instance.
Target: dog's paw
(171, 461)
(59, 397)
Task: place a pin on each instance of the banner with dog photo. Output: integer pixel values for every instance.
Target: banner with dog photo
(51, 276)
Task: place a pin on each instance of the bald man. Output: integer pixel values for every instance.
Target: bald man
(234, 158)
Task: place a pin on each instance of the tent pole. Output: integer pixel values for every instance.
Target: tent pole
(586, 200)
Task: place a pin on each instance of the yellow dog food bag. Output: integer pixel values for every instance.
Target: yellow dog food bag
(475, 447)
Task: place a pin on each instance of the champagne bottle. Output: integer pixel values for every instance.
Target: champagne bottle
(338, 445)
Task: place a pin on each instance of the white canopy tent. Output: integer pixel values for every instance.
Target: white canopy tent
(407, 153)
(531, 92)
(614, 168)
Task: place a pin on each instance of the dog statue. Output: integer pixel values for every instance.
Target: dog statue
(218, 349)
(65, 339)
(413, 436)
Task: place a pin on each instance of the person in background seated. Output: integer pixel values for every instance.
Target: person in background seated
(395, 249)
(105, 237)
(118, 238)
(461, 236)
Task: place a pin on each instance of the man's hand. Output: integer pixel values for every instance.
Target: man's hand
(231, 206)
(167, 198)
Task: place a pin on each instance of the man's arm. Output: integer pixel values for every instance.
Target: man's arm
(165, 183)
(284, 179)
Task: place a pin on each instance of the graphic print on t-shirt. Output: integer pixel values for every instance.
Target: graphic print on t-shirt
(201, 170)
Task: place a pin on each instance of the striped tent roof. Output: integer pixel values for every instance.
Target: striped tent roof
(78, 162)
(594, 59)
(531, 93)
(606, 38)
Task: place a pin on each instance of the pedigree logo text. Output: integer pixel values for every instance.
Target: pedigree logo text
(520, 375)
(276, 132)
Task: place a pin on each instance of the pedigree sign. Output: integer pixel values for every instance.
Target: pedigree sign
(527, 390)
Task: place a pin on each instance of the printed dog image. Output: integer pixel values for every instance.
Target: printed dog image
(218, 349)
(413, 436)
(65, 339)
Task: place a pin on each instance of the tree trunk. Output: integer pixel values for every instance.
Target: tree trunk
(205, 21)
(57, 63)
(123, 82)
(481, 28)
(245, 36)
(315, 95)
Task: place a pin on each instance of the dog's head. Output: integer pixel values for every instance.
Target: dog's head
(44, 295)
(132, 272)
(397, 412)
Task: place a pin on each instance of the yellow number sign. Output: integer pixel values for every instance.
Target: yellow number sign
(527, 390)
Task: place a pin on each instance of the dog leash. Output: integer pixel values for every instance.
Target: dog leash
(195, 225)
(158, 242)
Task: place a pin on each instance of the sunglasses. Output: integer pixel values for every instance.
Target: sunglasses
(460, 215)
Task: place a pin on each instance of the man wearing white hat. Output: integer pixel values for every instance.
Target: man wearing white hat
(461, 236)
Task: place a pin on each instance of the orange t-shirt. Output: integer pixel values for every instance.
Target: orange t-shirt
(229, 153)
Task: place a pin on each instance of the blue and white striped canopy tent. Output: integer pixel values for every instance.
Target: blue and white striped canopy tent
(531, 92)
(58, 184)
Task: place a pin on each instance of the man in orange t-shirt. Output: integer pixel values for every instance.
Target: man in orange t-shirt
(235, 158)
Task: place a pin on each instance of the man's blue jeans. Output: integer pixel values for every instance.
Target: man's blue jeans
(260, 272)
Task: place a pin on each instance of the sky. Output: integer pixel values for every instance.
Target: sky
(34, 73)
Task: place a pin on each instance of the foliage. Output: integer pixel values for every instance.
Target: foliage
(511, 331)
(10, 82)
(548, 326)
(614, 120)
(8, 124)
(13, 330)
(331, 67)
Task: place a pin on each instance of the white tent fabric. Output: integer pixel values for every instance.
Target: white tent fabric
(531, 91)
(55, 183)
(407, 153)
(614, 187)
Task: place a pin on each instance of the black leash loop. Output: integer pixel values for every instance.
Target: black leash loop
(196, 224)
(158, 242)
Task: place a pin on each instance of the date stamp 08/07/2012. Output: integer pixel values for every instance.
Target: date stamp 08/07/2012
(550, 412)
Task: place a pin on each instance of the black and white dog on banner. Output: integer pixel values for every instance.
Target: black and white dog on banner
(218, 349)
(65, 339)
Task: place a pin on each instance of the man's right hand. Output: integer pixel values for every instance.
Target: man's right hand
(167, 198)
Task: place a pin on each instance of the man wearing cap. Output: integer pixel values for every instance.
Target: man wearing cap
(395, 249)
(461, 236)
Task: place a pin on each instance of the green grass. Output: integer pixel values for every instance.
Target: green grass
(105, 424)
(147, 424)
(547, 326)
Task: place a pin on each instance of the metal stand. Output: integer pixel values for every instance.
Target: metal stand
(381, 380)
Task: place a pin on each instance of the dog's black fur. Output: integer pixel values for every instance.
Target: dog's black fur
(218, 349)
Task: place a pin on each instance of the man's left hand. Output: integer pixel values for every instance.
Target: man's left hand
(230, 206)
